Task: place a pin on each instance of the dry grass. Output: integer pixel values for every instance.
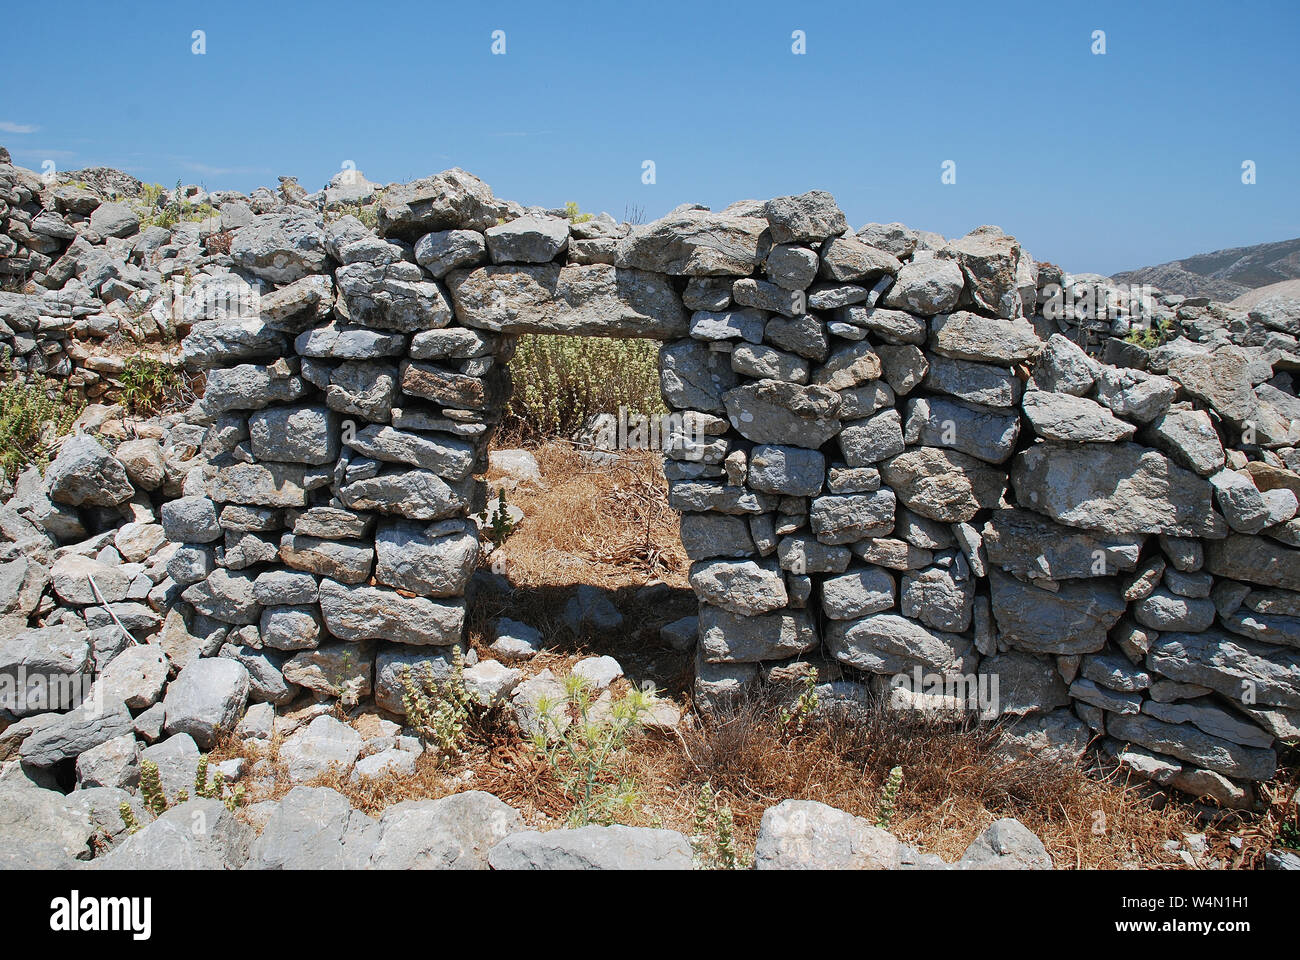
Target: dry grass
(608, 525)
(955, 783)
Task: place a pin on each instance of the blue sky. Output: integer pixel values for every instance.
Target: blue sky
(1096, 162)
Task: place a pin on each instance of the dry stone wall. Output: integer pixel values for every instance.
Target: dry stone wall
(890, 465)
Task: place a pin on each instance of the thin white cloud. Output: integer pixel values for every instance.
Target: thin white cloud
(8, 127)
(210, 171)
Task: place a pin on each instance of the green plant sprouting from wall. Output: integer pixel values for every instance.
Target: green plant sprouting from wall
(150, 386)
(32, 419)
(805, 705)
(154, 796)
(439, 710)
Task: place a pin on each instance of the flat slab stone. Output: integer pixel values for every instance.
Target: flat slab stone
(582, 300)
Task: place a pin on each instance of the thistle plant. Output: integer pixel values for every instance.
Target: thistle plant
(794, 717)
(888, 798)
(713, 841)
(438, 710)
(581, 744)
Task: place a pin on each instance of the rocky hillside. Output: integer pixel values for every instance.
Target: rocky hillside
(1223, 274)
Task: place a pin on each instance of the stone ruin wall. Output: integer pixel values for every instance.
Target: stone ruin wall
(889, 461)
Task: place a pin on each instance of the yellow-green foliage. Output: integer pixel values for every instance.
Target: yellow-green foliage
(559, 381)
(1152, 336)
(713, 842)
(31, 419)
(155, 797)
(367, 213)
(149, 385)
(571, 211)
(153, 213)
(438, 710)
(581, 739)
(889, 798)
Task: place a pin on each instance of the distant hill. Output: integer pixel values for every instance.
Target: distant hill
(1223, 274)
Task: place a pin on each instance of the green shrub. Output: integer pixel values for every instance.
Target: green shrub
(155, 799)
(1152, 336)
(367, 213)
(805, 705)
(31, 420)
(571, 211)
(154, 213)
(150, 386)
(560, 382)
(499, 526)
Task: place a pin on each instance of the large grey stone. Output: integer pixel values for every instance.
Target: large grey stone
(1067, 419)
(1195, 746)
(730, 638)
(84, 474)
(1240, 669)
(969, 336)
(1035, 548)
(746, 587)
(452, 199)
(451, 833)
(590, 300)
(1119, 488)
(206, 699)
(356, 613)
(280, 247)
(429, 560)
(986, 434)
(806, 835)
(446, 456)
(888, 643)
(1072, 619)
(778, 412)
(926, 286)
(696, 243)
(943, 485)
(306, 831)
(693, 377)
(593, 848)
(415, 494)
(858, 592)
(1007, 844)
(1255, 560)
(807, 218)
(852, 517)
(527, 239)
(172, 843)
